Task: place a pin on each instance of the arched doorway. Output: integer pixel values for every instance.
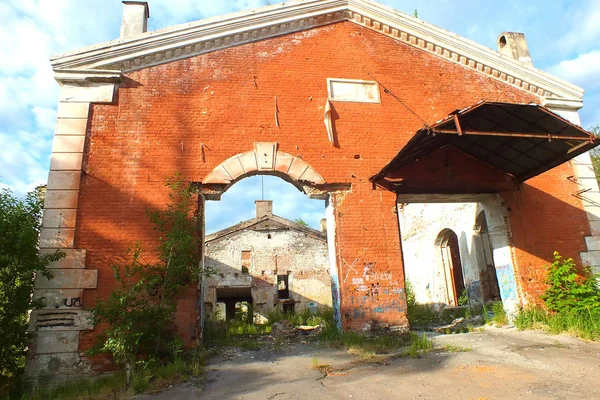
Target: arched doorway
(485, 257)
(447, 247)
(267, 159)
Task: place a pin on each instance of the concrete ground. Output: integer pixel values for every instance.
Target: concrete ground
(501, 364)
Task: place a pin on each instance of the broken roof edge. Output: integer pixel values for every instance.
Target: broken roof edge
(255, 221)
(219, 32)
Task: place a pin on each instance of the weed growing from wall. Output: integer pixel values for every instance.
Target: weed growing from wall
(569, 291)
(138, 311)
(572, 302)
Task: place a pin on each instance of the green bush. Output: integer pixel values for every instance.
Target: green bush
(138, 311)
(20, 223)
(569, 291)
(463, 299)
(499, 316)
(572, 302)
(411, 299)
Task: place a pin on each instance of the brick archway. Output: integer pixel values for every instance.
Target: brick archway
(264, 159)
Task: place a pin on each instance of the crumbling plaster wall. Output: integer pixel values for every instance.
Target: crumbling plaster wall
(295, 253)
(420, 226)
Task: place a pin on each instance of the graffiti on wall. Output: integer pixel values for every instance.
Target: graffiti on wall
(506, 281)
(373, 289)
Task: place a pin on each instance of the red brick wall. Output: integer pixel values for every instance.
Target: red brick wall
(224, 101)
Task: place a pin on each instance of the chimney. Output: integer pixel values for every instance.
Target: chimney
(135, 18)
(263, 207)
(514, 45)
(324, 225)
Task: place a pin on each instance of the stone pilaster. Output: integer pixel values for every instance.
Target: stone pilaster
(54, 351)
(588, 191)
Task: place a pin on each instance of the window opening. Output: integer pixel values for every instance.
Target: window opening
(246, 261)
(283, 290)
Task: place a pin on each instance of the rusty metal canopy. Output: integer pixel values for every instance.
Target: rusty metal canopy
(523, 140)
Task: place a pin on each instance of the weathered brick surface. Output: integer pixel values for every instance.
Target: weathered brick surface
(191, 115)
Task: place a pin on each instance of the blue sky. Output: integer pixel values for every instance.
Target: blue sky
(563, 38)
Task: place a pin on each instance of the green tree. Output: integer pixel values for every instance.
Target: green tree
(138, 311)
(300, 221)
(595, 153)
(20, 223)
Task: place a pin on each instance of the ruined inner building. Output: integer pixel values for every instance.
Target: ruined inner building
(269, 263)
(370, 109)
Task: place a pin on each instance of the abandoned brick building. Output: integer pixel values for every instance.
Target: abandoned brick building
(269, 262)
(349, 100)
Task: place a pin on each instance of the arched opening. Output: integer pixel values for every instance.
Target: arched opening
(447, 247)
(267, 236)
(485, 257)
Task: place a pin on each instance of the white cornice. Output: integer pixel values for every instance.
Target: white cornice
(81, 76)
(187, 40)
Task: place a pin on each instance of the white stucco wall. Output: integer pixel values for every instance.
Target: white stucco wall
(420, 225)
(304, 258)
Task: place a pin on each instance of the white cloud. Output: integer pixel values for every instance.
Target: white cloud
(584, 30)
(583, 70)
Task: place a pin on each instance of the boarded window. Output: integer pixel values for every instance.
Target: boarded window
(353, 90)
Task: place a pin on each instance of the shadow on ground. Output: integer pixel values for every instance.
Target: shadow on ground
(494, 364)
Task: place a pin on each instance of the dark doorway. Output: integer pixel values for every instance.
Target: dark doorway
(447, 244)
(283, 287)
(231, 296)
(487, 275)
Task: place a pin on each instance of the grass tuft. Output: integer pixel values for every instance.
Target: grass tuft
(585, 325)
(150, 376)
(452, 348)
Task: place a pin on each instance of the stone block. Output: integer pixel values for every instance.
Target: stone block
(582, 159)
(583, 171)
(595, 228)
(593, 212)
(57, 342)
(234, 167)
(73, 110)
(591, 257)
(71, 126)
(283, 162)
(248, 161)
(310, 175)
(59, 218)
(590, 198)
(61, 199)
(59, 299)
(57, 364)
(101, 93)
(298, 168)
(218, 175)
(66, 161)
(265, 155)
(64, 180)
(592, 242)
(74, 258)
(68, 144)
(60, 320)
(53, 238)
(68, 279)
